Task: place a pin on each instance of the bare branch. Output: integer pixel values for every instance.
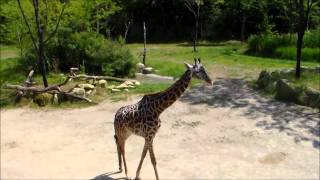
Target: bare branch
(57, 25)
(189, 4)
(26, 22)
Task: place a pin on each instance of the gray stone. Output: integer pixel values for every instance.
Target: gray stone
(285, 92)
(313, 97)
(264, 79)
(271, 86)
(147, 70)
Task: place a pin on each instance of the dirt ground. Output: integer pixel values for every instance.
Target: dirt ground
(220, 132)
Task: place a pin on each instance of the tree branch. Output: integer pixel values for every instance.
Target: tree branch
(26, 22)
(57, 25)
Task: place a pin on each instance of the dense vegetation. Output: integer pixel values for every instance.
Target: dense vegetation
(283, 45)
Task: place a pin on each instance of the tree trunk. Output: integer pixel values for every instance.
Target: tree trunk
(40, 43)
(243, 27)
(195, 36)
(98, 26)
(299, 49)
(144, 44)
(127, 25)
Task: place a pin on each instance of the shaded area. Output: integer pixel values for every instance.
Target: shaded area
(107, 176)
(302, 123)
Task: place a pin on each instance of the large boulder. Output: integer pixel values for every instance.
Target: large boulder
(43, 99)
(313, 97)
(264, 79)
(285, 92)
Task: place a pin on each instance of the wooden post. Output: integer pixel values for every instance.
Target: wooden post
(144, 44)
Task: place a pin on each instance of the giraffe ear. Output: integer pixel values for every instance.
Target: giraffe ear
(188, 66)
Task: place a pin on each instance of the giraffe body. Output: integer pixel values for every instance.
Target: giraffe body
(142, 118)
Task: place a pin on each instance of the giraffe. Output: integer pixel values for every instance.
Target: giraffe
(142, 118)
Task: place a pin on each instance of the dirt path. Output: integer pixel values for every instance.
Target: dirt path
(227, 131)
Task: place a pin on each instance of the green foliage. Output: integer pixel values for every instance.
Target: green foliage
(308, 54)
(115, 59)
(283, 46)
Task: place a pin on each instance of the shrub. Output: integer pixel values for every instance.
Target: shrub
(283, 46)
(88, 50)
(308, 54)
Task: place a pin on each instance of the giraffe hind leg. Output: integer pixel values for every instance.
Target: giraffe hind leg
(119, 152)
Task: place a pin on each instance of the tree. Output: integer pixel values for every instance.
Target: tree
(41, 26)
(194, 7)
(303, 9)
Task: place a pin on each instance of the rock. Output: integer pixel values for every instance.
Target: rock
(88, 92)
(285, 92)
(313, 97)
(43, 99)
(128, 83)
(264, 79)
(122, 86)
(79, 91)
(127, 90)
(86, 86)
(140, 67)
(147, 70)
(271, 87)
(115, 90)
(102, 83)
(137, 83)
(55, 99)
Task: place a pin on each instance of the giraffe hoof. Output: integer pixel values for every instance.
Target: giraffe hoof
(120, 170)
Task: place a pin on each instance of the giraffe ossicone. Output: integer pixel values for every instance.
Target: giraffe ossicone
(142, 118)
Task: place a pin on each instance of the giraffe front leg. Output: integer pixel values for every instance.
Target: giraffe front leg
(143, 155)
(153, 160)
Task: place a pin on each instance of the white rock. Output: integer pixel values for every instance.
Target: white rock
(102, 83)
(127, 90)
(86, 86)
(137, 83)
(78, 91)
(115, 90)
(140, 67)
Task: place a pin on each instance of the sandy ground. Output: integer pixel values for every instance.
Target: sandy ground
(226, 131)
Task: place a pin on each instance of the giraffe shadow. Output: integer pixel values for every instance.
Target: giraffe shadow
(301, 123)
(108, 176)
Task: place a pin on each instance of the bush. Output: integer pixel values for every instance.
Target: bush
(283, 46)
(308, 54)
(115, 59)
(88, 50)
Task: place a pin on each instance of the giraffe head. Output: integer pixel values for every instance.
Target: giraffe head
(198, 71)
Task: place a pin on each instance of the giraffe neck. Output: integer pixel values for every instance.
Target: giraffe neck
(161, 101)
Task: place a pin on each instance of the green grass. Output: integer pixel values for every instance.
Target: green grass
(168, 59)
(225, 59)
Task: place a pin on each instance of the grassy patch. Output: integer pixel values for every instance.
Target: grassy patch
(8, 51)
(220, 59)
